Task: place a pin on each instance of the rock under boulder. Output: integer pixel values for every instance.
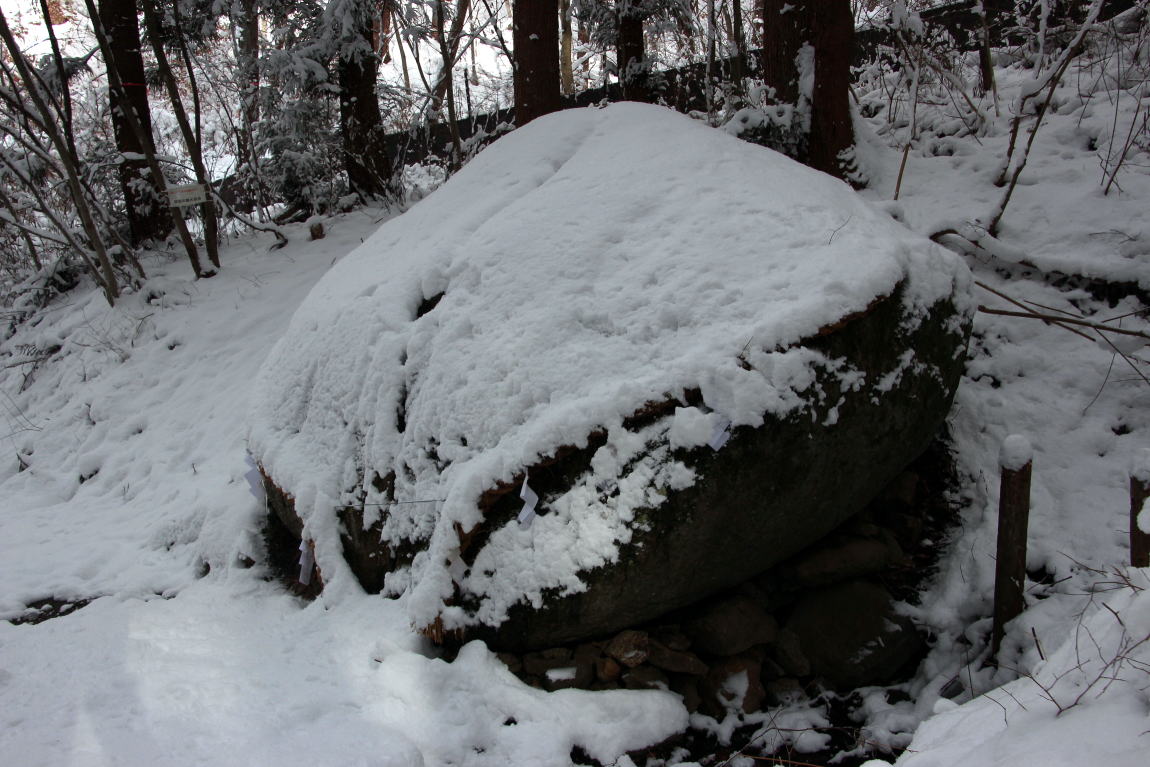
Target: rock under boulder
(581, 386)
(852, 635)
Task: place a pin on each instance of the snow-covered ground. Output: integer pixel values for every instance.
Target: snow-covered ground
(122, 479)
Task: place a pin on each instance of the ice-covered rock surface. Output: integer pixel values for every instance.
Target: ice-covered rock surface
(578, 270)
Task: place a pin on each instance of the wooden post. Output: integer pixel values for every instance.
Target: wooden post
(1139, 492)
(1015, 460)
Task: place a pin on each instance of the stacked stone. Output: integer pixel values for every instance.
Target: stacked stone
(824, 619)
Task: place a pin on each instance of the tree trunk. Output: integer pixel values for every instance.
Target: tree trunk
(192, 141)
(832, 134)
(739, 67)
(786, 28)
(361, 124)
(827, 29)
(567, 73)
(148, 217)
(453, 37)
(445, 78)
(632, 54)
(536, 46)
(248, 32)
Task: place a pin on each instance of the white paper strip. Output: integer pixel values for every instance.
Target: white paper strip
(528, 495)
(530, 499)
(306, 562)
(255, 480)
(721, 434)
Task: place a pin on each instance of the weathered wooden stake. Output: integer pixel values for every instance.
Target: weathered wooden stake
(1015, 460)
(1139, 492)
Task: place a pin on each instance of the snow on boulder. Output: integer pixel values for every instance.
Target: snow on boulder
(697, 354)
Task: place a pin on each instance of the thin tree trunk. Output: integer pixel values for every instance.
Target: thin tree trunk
(739, 68)
(248, 28)
(566, 73)
(443, 83)
(13, 214)
(105, 274)
(446, 77)
(191, 138)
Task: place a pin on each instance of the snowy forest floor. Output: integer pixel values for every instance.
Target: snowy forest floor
(122, 482)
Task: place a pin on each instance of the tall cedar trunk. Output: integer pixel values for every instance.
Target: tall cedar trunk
(361, 124)
(632, 55)
(248, 33)
(828, 27)
(786, 27)
(832, 134)
(148, 217)
(536, 43)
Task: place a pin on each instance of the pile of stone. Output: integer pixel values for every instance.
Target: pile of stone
(825, 618)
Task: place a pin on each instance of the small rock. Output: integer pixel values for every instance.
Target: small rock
(784, 691)
(539, 663)
(853, 559)
(646, 678)
(733, 684)
(671, 636)
(559, 679)
(731, 626)
(585, 657)
(688, 687)
(679, 661)
(629, 647)
(788, 653)
(607, 669)
(511, 661)
(852, 635)
(904, 489)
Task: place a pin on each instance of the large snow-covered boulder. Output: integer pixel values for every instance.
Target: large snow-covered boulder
(698, 354)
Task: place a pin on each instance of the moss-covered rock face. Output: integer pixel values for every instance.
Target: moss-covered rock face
(773, 490)
(883, 384)
(578, 318)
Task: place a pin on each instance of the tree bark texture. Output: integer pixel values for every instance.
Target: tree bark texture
(786, 28)
(364, 151)
(248, 34)
(634, 68)
(567, 74)
(148, 217)
(536, 43)
(832, 134)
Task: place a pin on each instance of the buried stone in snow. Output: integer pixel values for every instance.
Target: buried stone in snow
(698, 355)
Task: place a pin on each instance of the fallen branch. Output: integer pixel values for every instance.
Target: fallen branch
(1072, 320)
(1022, 306)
